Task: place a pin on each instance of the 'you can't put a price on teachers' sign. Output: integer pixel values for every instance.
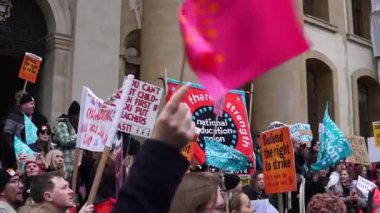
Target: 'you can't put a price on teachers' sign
(140, 109)
(278, 161)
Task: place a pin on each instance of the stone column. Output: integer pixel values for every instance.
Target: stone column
(56, 76)
(161, 41)
(97, 47)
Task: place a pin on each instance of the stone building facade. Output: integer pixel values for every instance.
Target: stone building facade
(96, 42)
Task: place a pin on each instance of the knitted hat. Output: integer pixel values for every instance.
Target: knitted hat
(231, 181)
(26, 98)
(5, 176)
(74, 108)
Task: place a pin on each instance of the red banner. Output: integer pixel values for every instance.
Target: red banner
(232, 128)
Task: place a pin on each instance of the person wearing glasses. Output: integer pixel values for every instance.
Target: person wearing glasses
(43, 145)
(11, 190)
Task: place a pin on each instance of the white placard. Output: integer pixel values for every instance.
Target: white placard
(140, 109)
(365, 186)
(373, 151)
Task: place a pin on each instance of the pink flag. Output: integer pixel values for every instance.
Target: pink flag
(230, 42)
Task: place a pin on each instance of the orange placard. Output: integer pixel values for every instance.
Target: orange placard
(278, 161)
(30, 67)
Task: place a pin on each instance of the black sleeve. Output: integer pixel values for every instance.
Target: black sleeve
(369, 203)
(153, 179)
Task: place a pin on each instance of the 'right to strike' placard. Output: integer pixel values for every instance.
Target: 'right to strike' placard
(278, 161)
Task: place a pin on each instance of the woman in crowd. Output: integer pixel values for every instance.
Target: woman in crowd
(54, 161)
(360, 170)
(43, 144)
(345, 190)
(255, 191)
(198, 192)
(240, 203)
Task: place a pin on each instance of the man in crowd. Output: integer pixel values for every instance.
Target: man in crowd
(15, 126)
(11, 189)
(53, 190)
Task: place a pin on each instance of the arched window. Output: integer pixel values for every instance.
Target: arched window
(363, 94)
(369, 100)
(361, 10)
(320, 91)
(317, 8)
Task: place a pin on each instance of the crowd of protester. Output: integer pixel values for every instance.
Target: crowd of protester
(159, 179)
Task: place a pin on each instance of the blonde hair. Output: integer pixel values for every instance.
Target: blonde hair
(49, 158)
(36, 208)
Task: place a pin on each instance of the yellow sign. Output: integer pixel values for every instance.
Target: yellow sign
(376, 132)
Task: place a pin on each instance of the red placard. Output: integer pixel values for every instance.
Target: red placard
(30, 67)
(232, 127)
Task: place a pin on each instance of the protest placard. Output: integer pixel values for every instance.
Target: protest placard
(373, 151)
(94, 122)
(245, 180)
(302, 132)
(30, 67)
(230, 129)
(359, 151)
(140, 109)
(376, 132)
(365, 185)
(278, 161)
(263, 206)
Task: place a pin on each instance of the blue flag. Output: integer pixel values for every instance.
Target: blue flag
(334, 146)
(30, 131)
(224, 157)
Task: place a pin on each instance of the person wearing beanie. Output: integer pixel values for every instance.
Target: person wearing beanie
(65, 136)
(14, 126)
(11, 189)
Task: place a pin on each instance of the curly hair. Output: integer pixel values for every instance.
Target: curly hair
(326, 203)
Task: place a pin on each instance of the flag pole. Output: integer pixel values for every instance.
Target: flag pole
(182, 68)
(25, 84)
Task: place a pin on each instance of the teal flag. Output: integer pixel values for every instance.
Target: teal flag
(224, 157)
(333, 145)
(21, 147)
(30, 131)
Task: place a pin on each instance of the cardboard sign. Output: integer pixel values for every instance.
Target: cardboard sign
(359, 151)
(30, 67)
(140, 109)
(94, 122)
(231, 129)
(278, 159)
(365, 186)
(373, 151)
(302, 132)
(376, 132)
